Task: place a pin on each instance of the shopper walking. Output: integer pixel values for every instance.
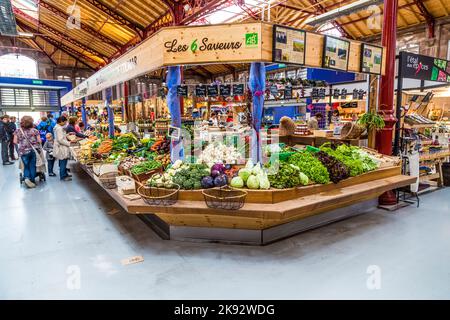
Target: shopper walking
(29, 141)
(12, 127)
(48, 147)
(4, 139)
(61, 150)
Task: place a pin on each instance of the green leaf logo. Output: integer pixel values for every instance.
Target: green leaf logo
(194, 46)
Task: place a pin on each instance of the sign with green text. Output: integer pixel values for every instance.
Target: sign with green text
(222, 44)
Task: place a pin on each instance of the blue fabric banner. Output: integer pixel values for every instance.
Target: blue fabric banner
(173, 103)
(257, 86)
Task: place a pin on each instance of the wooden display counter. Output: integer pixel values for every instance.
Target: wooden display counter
(287, 211)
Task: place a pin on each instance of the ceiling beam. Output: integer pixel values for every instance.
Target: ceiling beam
(291, 7)
(168, 19)
(117, 16)
(83, 26)
(22, 15)
(60, 46)
(322, 9)
(203, 69)
(428, 17)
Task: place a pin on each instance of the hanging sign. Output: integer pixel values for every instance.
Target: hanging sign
(315, 94)
(162, 92)
(200, 90)
(238, 89)
(274, 90)
(335, 53)
(225, 90)
(213, 90)
(288, 45)
(355, 94)
(202, 44)
(416, 66)
(336, 93)
(353, 104)
(371, 58)
(344, 94)
(288, 93)
(322, 93)
(182, 91)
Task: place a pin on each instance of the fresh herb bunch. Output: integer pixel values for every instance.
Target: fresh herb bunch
(310, 166)
(336, 169)
(145, 167)
(190, 178)
(287, 176)
(371, 121)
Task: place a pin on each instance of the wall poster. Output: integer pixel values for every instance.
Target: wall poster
(371, 58)
(335, 53)
(288, 45)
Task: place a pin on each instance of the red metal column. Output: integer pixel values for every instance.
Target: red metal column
(386, 99)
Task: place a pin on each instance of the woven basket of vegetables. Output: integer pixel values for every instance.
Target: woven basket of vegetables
(156, 196)
(224, 198)
(144, 170)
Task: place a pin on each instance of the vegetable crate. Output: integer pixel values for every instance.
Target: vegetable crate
(143, 177)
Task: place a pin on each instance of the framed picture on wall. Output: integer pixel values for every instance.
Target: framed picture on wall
(371, 58)
(289, 45)
(335, 53)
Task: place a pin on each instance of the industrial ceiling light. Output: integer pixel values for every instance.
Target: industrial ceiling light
(25, 34)
(342, 11)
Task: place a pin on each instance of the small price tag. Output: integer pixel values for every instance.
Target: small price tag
(132, 260)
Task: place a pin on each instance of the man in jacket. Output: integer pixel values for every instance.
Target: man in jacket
(11, 129)
(4, 138)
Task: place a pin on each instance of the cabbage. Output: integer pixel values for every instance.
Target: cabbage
(237, 182)
(249, 164)
(245, 173)
(263, 181)
(257, 169)
(304, 179)
(253, 182)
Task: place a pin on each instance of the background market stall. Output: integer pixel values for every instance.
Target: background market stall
(267, 214)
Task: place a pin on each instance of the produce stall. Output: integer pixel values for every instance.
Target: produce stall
(245, 188)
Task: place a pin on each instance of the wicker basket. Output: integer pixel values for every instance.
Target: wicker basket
(224, 198)
(108, 180)
(351, 130)
(155, 196)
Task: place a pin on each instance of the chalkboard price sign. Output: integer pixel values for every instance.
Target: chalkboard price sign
(238, 89)
(322, 93)
(213, 90)
(336, 93)
(288, 93)
(182, 91)
(200, 90)
(225, 90)
(162, 92)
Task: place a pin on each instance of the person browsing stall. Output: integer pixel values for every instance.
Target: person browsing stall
(313, 123)
(61, 148)
(72, 129)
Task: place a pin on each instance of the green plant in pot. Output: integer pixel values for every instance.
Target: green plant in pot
(371, 121)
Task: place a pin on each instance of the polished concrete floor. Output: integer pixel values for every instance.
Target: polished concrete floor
(60, 241)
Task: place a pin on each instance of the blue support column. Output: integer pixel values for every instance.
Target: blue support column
(257, 85)
(108, 93)
(83, 111)
(173, 103)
